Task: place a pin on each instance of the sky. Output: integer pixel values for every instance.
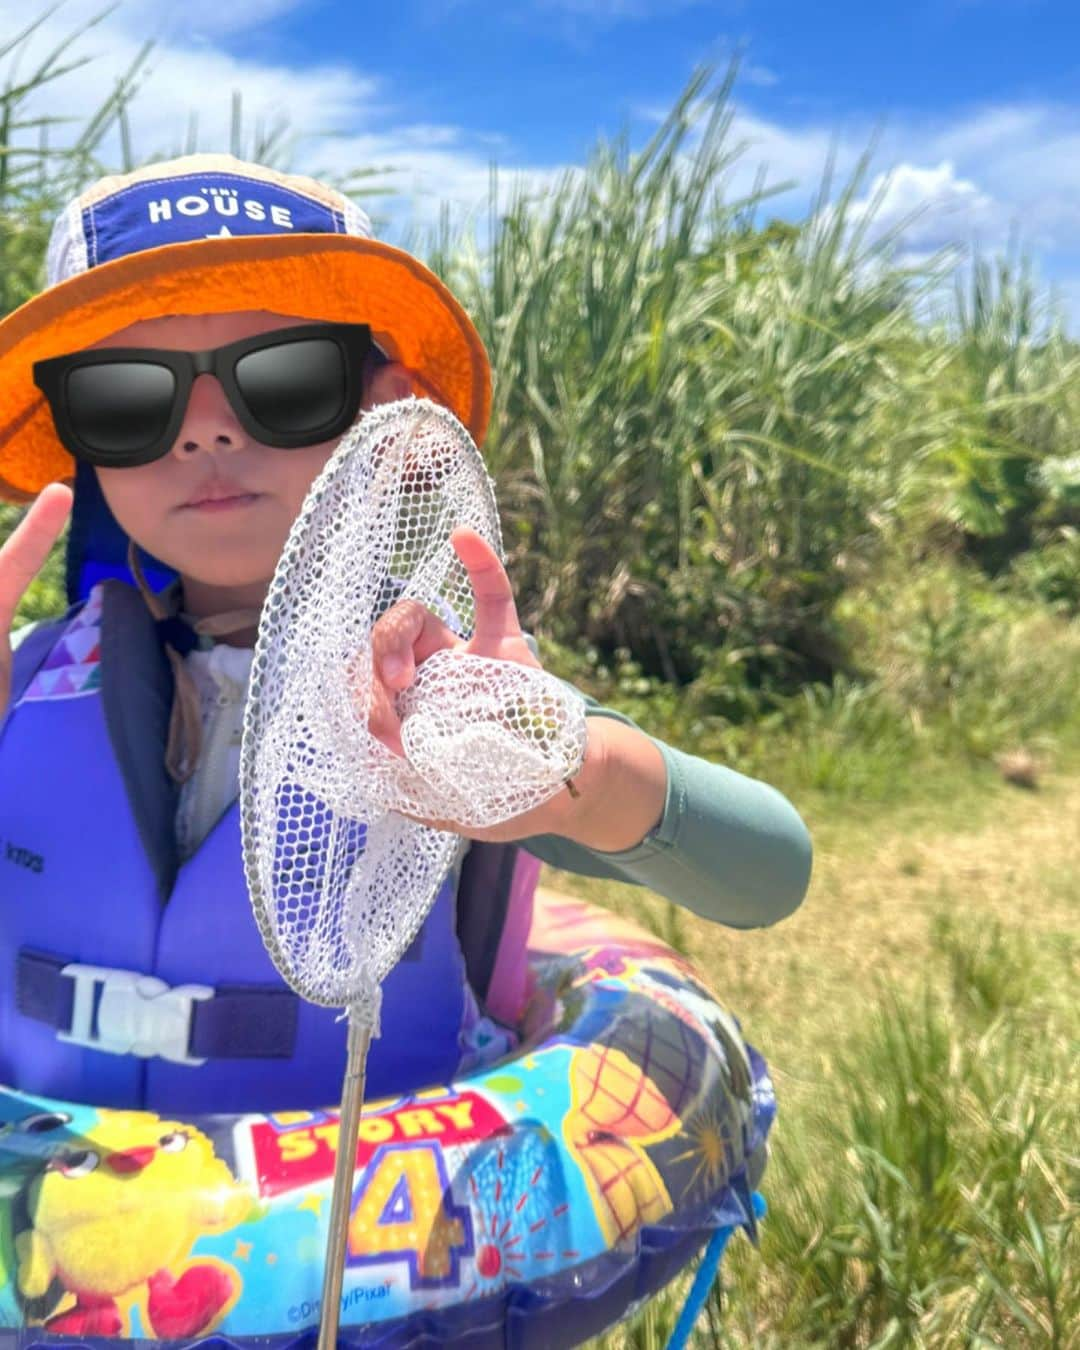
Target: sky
(973, 106)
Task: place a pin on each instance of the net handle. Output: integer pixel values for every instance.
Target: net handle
(352, 1101)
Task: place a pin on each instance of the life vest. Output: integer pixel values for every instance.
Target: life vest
(95, 907)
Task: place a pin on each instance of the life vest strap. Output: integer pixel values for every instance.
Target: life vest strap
(122, 1012)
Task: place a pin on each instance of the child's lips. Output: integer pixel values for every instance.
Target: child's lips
(220, 497)
(224, 503)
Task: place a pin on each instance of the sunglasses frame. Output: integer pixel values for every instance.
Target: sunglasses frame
(353, 339)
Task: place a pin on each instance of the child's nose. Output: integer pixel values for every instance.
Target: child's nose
(209, 422)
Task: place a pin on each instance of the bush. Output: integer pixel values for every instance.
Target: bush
(1050, 575)
(971, 666)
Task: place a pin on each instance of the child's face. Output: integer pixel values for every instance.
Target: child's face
(219, 505)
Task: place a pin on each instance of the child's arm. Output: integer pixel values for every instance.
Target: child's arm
(728, 847)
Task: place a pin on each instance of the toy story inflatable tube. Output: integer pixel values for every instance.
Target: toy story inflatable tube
(530, 1204)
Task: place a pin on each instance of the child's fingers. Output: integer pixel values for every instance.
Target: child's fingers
(25, 552)
(403, 637)
(383, 721)
(496, 612)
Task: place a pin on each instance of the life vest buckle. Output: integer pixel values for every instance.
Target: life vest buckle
(123, 1013)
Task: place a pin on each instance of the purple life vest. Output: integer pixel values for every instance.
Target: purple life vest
(89, 877)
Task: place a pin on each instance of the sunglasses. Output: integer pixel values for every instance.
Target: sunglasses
(118, 407)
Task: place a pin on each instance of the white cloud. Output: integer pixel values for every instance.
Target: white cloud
(419, 166)
(980, 181)
(995, 173)
(181, 80)
(190, 77)
(1029, 157)
(972, 178)
(787, 154)
(986, 130)
(794, 156)
(934, 206)
(423, 179)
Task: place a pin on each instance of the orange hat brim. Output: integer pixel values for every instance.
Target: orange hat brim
(337, 278)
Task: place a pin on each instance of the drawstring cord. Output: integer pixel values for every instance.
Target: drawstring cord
(178, 637)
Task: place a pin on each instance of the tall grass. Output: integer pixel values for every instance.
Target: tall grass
(927, 1194)
(43, 162)
(724, 449)
(709, 436)
(1008, 390)
(707, 432)
(688, 409)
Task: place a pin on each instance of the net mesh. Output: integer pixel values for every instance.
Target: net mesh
(340, 878)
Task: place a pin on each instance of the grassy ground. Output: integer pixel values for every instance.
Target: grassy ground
(920, 1020)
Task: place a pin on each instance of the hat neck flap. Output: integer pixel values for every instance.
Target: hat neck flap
(97, 546)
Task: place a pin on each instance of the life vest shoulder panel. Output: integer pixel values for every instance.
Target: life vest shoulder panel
(79, 882)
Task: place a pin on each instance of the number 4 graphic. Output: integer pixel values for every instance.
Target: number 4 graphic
(404, 1211)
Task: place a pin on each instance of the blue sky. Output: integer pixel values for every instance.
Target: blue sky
(977, 102)
(550, 74)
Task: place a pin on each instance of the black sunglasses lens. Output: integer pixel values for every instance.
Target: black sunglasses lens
(119, 407)
(294, 387)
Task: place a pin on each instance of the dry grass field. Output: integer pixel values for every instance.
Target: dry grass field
(962, 909)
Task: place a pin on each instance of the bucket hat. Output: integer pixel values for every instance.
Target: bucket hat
(206, 234)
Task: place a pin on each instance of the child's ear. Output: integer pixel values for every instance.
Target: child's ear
(388, 383)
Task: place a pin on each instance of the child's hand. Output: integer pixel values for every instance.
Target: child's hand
(621, 786)
(407, 634)
(21, 559)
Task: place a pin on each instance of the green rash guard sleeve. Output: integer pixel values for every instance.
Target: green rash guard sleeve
(727, 847)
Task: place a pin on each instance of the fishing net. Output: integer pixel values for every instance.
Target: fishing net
(340, 873)
(341, 878)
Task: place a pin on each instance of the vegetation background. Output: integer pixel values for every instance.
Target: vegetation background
(813, 511)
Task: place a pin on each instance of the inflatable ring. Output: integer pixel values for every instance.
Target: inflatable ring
(530, 1203)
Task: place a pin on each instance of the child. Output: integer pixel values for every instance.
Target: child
(210, 330)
